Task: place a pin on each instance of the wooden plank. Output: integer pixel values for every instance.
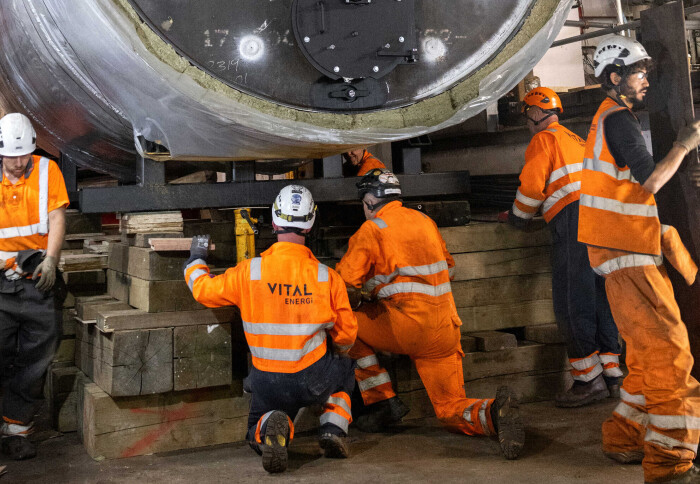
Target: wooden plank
(483, 292)
(138, 362)
(152, 296)
(82, 262)
(160, 423)
(494, 340)
(173, 244)
(118, 257)
(84, 278)
(65, 351)
(118, 285)
(500, 263)
(509, 315)
(154, 266)
(89, 311)
(133, 319)
(143, 240)
(478, 237)
(62, 397)
(202, 356)
(68, 322)
(90, 235)
(546, 333)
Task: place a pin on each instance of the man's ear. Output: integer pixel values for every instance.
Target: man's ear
(615, 78)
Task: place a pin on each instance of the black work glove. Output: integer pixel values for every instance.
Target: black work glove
(199, 248)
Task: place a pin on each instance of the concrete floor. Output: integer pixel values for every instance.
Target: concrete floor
(563, 446)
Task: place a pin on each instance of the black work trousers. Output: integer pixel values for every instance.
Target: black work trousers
(30, 329)
(290, 392)
(580, 302)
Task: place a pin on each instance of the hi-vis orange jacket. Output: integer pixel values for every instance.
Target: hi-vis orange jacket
(288, 302)
(551, 177)
(369, 162)
(25, 207)
(616, 212)
(400, 254)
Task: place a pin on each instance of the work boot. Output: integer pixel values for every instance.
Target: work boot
(505, 415)
(613, 384)
(275, 442)
(334, 446)
(381, 414)
(15, 441)
(629, 457)
(691, 476)
(583, 393)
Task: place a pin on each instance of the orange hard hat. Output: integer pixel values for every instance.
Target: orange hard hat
(544, 98)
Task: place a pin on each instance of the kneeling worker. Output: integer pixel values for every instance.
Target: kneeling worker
(359, 162)
(289, 304)
(551, 182)
(399, 256)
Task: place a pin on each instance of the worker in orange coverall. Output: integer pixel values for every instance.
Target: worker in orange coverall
(550, 182)
(359, 162)
(658, 419)
(399, 257)
(290, 303)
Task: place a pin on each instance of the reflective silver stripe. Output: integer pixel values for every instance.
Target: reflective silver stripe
(23, 231)
(194, 276)
(380, 223)
(374, 381)
(196, 262)
(612, 372)
(343, 349)
(611, 205)
(608, 169)
(44, 196)
(627, 261)
(520, 214)
(408, 287)
(586, 363)
(410, 271)
(605, 359)
(322, 273)
(597, 370)
(264, 418)
(564, 171)
(289, 355)
(367, 361)
(631, 413)
(255, 269)
(559, 194)
(664, 228)
(667, 442)
(525, 200)
(635, 399)
(674, 421)
(335, 419)
(341, 403)
(284, 329)
(467, 414)
(7, 255)
(482, 418)
(600, 133)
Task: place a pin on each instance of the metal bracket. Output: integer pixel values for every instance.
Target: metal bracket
(348, 93)
(149, 172)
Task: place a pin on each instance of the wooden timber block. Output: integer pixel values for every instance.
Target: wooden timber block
(137, 362)
(84, 278)
(494, 340)
(77, 223)
(143, 240)
(82, 262)
(155, 266)
(219, 231)
(202, 356)
(135, 319)
(131, 426)
(62, 397)
(65, 351)
(546, 333)
(500, 263)
(499, 290)
(468, 343)
(174, 244)
(509, 315)
(479, 237)
(84, 347)
(134, 223)
(152, 296)
(68, 322)
(89, 311)
(118, 257)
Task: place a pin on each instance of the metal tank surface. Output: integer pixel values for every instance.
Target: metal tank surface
(251, 79)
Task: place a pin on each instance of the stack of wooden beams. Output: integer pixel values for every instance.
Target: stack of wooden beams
(151, 222)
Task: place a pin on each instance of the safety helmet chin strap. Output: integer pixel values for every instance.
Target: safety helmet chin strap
(537, 123)
(289, 230)
(379, 204)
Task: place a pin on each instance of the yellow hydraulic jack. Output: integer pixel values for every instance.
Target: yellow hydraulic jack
(246, 230)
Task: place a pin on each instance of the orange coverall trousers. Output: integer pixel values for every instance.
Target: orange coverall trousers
(659, 411)
(425, 331)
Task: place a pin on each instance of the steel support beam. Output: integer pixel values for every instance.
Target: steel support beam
(135, 198)
(150, 172)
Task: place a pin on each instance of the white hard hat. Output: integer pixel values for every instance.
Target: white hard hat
(17, 136)
(618, 51)
(294, 207)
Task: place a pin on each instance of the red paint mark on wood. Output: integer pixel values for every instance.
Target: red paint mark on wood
(169, 417)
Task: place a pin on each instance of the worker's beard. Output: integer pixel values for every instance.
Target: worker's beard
(633, 95)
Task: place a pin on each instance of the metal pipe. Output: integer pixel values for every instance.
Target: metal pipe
(587, 24)
(621, 17)
(598, 33)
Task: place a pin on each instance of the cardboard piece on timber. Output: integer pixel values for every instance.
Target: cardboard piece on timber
(142, 425)
(501, 263)
(151, 296)
(143, 240)
(138, 362)
(546, 333)
(173, 244)
(202, 356)
(509, 289)
(509, 315)
(494, 340)
(480, 237)
(122, 320)
(89, 311)
(65, 351)
(82, 262)
(154, 266)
